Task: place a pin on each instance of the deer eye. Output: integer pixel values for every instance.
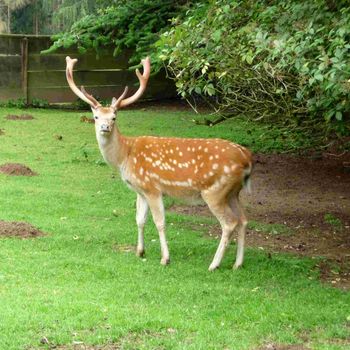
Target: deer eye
(96, 117)
(113, 118)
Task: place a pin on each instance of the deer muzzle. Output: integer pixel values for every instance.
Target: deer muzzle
(105, 128)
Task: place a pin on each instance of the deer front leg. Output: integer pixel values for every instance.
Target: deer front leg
(156, 205)
(141, 217)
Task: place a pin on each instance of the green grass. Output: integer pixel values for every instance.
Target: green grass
(335, 222)
(79, 283)
(274, 229)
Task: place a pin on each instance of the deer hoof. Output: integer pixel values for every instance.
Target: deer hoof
(165, 261)
(140, 253)
(213, 267)
(236, 266)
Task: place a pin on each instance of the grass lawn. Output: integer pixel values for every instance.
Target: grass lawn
(83, 283)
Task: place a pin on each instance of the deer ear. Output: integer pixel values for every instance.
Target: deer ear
(114, 101)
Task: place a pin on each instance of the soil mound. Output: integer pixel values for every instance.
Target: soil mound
(15, 169)
(19, 229)
(19, 117)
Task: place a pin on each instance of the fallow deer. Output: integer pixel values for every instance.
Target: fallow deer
(213, 169)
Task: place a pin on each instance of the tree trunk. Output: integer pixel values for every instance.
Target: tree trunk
(36, 24)
(36, 19)
(8, 19)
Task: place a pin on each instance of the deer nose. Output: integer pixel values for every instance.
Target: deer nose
(105, 128)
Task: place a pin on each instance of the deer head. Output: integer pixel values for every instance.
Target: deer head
(105, 116)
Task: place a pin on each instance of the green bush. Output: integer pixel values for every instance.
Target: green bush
(17, 103)
(287, 59)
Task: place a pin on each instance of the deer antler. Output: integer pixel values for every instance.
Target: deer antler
(143, 79)
(90, 97)
(82, 94)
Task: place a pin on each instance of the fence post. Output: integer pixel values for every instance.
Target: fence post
(24, 53)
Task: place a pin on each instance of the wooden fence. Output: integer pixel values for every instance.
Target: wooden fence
(27, 74)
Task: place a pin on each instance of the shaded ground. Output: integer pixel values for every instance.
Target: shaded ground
(304, 205)
(16, 169)
(19, 117)
(18, 229)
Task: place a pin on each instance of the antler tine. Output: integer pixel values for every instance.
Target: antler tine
(116, 103)
(143, 79)
(90, 97)
(84, 96)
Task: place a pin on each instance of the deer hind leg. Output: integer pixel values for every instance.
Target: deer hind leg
(141, 217)
(228, 222)
(238, 211)
(155, 203)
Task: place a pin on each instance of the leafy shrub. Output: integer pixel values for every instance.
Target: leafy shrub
(21, 103)
(17, 103)
(39, 103)
(266, 58)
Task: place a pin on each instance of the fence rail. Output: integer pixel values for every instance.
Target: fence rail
(27, 74)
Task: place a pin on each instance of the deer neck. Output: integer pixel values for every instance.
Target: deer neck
(113, 147)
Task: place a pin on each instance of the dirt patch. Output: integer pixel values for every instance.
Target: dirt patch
(283, 347)
(130, 341)
(308, 195)
(16, 169)
(336, 274)
(85, 119)
(88, 347)
(300, 191)
(19, 117)
(19, 229)
(124, 248)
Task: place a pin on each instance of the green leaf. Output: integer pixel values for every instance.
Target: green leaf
(318, 76)
(217, 35)
(249, 59)
(328, 116)
(204, 69)
(226, 9)
(210, 90)
(198, 90)
(339, 116)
